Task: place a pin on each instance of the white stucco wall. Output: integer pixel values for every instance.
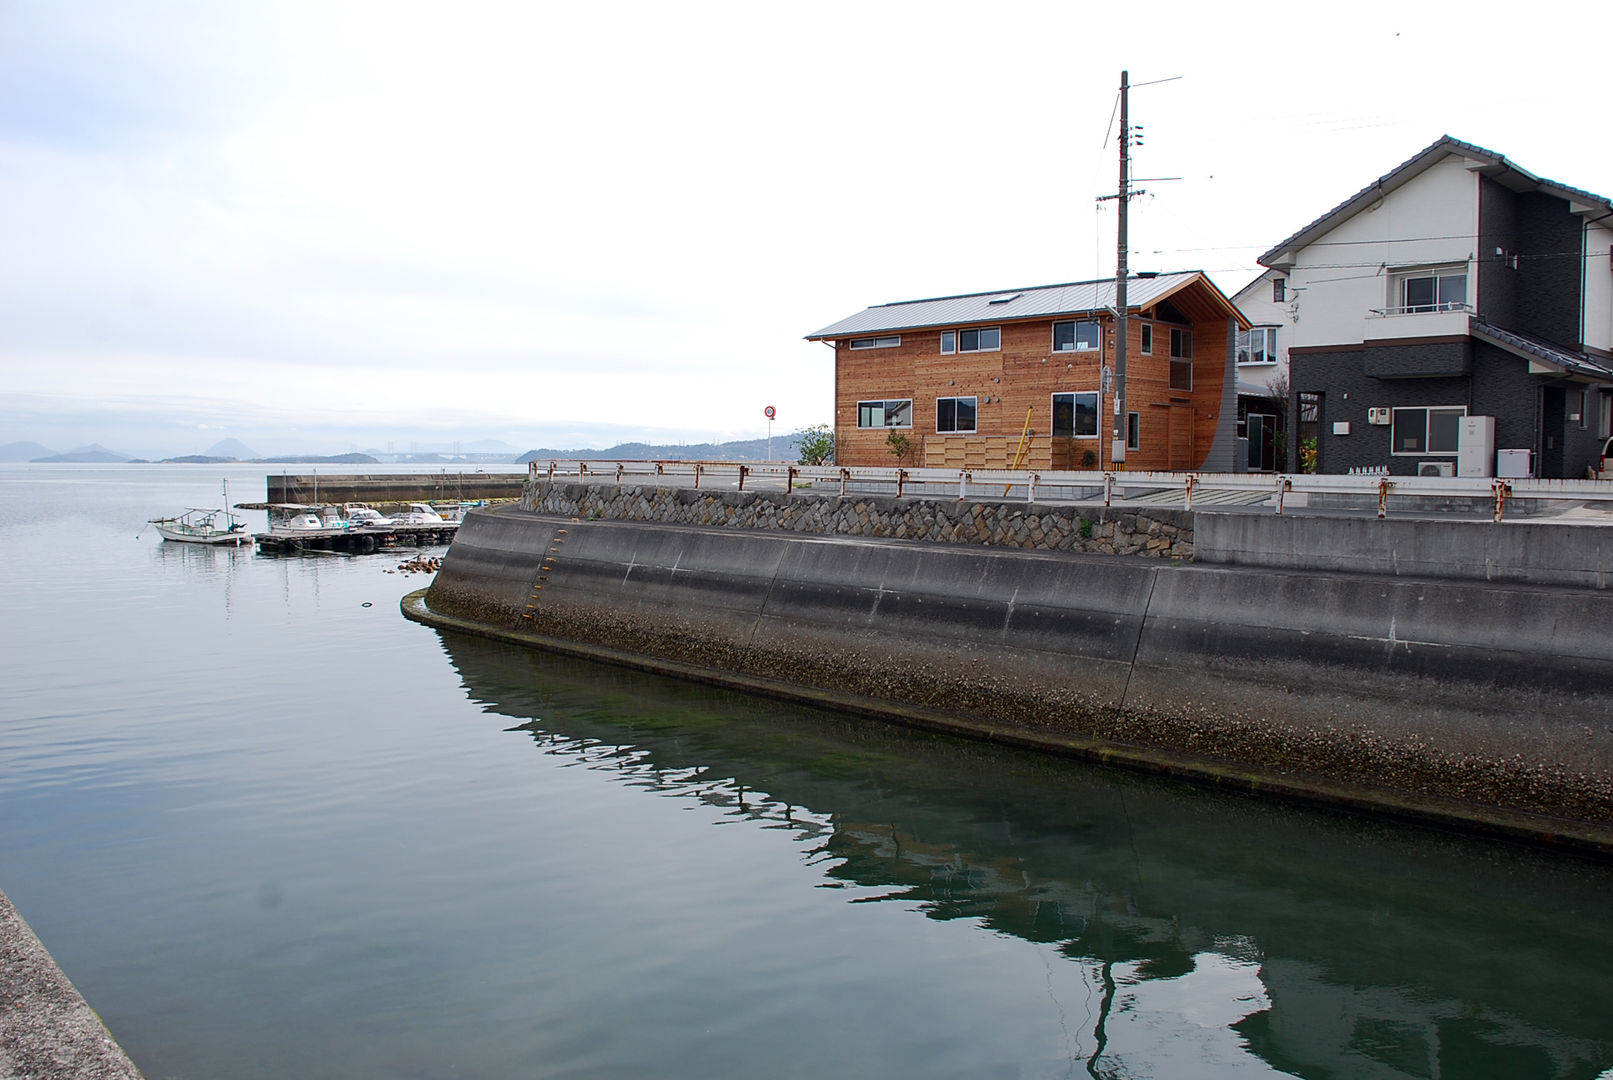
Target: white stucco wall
(1255, 301)
(1599, 287)
(1339, 278)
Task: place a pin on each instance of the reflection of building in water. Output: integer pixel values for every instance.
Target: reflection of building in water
(1317, 1027)
(1289, 1013)
(1213, 940)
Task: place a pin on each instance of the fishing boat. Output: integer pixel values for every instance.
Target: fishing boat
(204, 525)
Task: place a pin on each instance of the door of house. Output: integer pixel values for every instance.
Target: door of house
(1261, 429)
(1553, 427)
(1181, 435)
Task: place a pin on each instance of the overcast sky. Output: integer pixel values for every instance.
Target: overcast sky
(331, 225)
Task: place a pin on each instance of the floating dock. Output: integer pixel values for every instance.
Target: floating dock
(355, 541)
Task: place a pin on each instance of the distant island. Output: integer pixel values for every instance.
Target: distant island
(233, 452)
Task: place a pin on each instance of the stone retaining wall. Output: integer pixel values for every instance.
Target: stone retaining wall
(1160, 533)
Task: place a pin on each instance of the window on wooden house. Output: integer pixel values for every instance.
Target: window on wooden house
(955, 415)
(885, 414)
(1434, 430)
(1134, 431)
(885, 341)
(1181, 358)
(1148, 339)
(1075, 335)
(989, 339)
(1075, 416)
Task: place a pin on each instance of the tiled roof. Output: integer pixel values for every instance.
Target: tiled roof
(1006, 305)
(1413, 166)
(1572, 363)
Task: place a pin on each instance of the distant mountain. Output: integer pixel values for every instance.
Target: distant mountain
(785, 448)
(24, 451)
(227, 449)
(315, 459)
(95, 453)
(197, 459)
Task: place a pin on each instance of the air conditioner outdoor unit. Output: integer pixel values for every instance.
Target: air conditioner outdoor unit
(1436, 468)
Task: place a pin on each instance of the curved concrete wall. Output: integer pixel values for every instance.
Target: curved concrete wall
(1450, 699)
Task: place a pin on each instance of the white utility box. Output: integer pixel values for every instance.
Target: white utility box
(1475, 446)
(1513, 464)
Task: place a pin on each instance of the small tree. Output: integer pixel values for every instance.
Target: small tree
(900, 445)
(816, 444)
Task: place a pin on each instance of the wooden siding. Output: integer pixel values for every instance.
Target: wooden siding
(1177, 428)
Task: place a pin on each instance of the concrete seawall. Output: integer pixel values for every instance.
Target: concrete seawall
(1467, 701)
(46, 1028)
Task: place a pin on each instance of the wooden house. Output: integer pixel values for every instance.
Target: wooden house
(1027, 377)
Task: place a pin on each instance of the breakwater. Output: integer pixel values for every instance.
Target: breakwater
(1484, 702)
(391, 488)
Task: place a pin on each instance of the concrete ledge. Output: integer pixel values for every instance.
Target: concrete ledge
(47, 1030)
(1486, 699)
(1541, 553)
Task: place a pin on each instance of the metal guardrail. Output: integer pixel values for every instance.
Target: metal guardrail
(1070, 486)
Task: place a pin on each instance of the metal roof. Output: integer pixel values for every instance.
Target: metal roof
(1494, 165)
(1570, 363)
(1008, 305)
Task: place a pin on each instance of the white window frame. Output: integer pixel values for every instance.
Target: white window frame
(1428, 412)
(884, 404)
(1246, 345)
(1400, 279)
(952, 340)
(882, 341)
(974, 407)
(1075, 335)
(1075, 396)
(1279, 290)
(1134, 431)
(1148, 339)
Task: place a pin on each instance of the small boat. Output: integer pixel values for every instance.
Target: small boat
(202, 525)
(418, 514)
(367, 517)
(199, 525)
(300, 523)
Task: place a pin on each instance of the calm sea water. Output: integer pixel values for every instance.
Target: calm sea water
(271, 829)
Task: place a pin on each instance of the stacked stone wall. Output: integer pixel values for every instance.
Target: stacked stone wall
(1157, 533)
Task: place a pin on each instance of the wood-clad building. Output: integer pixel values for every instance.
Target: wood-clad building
(975, 381)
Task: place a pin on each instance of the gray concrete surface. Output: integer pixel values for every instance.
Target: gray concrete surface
(1475, 700)
(47, 1030)
(1556, 552)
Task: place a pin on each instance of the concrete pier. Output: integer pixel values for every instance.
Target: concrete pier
(1471, 701)
(47, 1030)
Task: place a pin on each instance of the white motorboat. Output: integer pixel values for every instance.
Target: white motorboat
(204, 525)
(418, 514)
(366, 517)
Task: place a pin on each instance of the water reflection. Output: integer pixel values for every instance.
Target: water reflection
(1211, 934)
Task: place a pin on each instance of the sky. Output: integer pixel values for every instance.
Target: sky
(318, 227)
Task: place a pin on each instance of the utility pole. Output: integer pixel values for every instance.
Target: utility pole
(1117, 449)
